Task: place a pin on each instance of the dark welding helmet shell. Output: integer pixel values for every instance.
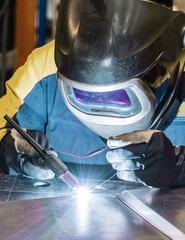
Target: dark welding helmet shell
(105, 42)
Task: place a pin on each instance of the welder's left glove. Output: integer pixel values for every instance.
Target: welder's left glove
(147, 157)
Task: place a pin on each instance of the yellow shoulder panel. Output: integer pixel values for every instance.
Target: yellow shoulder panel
(40, 63)
(181, 111)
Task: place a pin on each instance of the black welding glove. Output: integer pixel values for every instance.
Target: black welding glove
(18, 154)
(147, 157)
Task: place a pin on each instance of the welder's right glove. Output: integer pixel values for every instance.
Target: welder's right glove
(18, 154)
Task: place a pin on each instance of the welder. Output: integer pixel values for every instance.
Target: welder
(105, 95)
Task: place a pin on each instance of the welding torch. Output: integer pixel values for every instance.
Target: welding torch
(51, 161)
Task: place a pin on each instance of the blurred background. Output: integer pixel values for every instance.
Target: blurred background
(25, 25)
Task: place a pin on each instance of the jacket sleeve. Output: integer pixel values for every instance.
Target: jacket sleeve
(40, 63)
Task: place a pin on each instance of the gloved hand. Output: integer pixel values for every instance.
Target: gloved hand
(147, 157)
(18, 154)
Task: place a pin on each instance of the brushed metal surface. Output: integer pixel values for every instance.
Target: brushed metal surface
(32, 210)
(102, 217)
(151, 216)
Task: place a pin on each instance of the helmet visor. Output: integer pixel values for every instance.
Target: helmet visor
(118, 97)
(117, 103)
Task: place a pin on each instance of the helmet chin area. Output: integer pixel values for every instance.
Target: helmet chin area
(108, 130)
(110, 110)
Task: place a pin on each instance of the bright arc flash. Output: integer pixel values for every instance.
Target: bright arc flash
(83, 194)
(82, 209)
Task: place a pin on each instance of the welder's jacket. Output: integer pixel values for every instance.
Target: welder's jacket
(33, 96)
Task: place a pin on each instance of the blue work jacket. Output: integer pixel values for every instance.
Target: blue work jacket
(33, 96)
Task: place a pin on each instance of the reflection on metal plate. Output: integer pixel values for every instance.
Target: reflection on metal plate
(150, 216)
(101, 217)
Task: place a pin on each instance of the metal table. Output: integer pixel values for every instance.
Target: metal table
(50, 210)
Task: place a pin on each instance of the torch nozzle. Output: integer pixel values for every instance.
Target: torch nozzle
(71, 181)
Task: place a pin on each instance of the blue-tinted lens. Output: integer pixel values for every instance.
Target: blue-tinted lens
(119, 97)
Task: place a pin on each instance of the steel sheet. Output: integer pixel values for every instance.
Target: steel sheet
(101, 217)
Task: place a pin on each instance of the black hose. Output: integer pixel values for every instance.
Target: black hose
(4, 13)
(3, 10)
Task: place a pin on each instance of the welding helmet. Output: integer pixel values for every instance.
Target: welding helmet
(120, 63)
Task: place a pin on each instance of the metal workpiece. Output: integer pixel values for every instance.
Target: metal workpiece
(151, 216)
(32, 209)
(100, 217)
